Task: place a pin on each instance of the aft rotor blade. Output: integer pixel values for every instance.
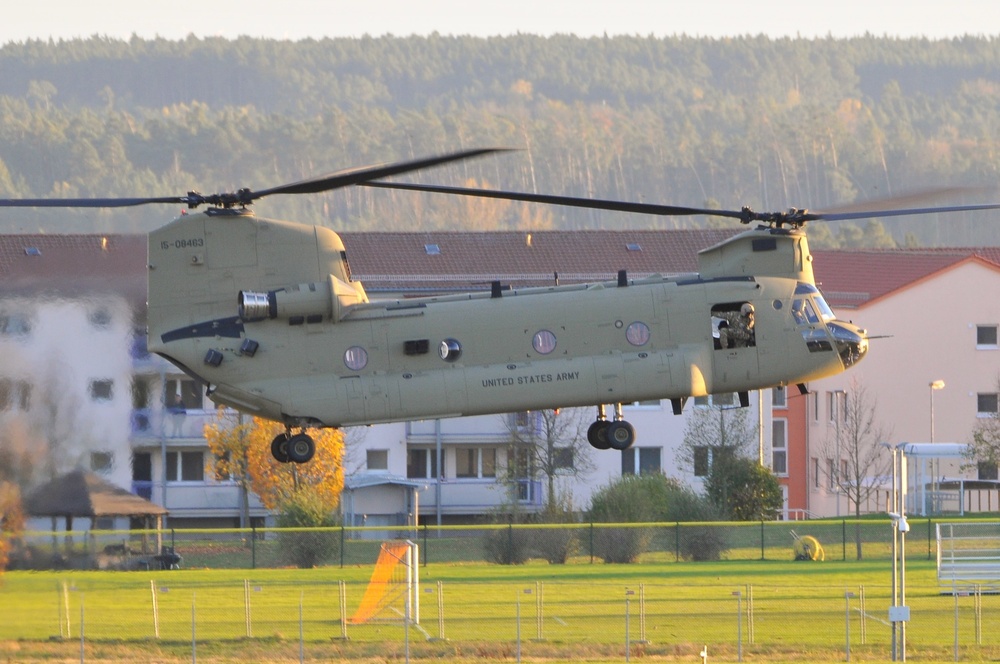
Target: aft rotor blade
(571, 201)
(354, 176)
(871, 214)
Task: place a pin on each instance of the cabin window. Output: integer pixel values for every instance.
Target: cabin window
(544, 342)
(637, 333)
(356, 358)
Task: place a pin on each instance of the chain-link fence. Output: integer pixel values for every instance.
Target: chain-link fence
(187, 614)
(504, 544)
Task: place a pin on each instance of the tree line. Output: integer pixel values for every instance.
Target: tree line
(772, 123)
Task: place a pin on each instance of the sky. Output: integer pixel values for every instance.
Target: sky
(301, 19)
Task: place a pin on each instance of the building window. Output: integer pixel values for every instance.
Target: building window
(377, 459)
(102, 390)
(779, 447)
(986, 337)
(986, 404)
(183, 394)
(100, 318)
(475, 462)
(779, 398)
(816, 473)
(987, 470)
(185, 466)
(527, 422)
(702, 461)
(14, 325)
(717, 400)
(421, 463)
(836, 403)
(815, 406)
(831, 473)
(641, 461)
(102, 462)
(562, 458)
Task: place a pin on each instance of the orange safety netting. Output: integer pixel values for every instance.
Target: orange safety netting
(388, 582)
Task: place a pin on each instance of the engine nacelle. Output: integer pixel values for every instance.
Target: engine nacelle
(301, 303)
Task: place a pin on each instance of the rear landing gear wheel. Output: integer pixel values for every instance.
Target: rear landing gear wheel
(621, 435)
(301, 448)
(597, 435)
(279, 448)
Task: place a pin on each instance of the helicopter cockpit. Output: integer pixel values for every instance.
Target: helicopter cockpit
(822, 331)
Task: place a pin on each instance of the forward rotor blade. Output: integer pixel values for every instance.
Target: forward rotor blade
(571, 201)
(354, 176)
(89, 202)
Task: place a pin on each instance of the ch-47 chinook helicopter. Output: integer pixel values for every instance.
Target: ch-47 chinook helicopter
(266, 316)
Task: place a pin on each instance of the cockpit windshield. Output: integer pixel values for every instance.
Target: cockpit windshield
(801, 303)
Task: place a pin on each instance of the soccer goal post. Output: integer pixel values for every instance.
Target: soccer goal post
(393, 593)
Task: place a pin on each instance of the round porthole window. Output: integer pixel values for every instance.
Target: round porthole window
(544, 342)
(450, 350)
(637, 334)
(356, 358)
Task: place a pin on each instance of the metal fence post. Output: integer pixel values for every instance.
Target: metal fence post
(253, 547)
(739, 625)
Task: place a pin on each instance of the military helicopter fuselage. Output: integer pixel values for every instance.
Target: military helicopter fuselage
(266, 315)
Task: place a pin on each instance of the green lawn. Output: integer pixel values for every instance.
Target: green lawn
(573, 611)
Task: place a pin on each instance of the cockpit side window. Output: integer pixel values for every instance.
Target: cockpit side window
(803, 312)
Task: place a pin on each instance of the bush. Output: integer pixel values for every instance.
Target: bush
(506, 546)
(307, 549)
(639, 498)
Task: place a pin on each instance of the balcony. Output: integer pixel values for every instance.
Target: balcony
(477, 496)
(196, 498)
(150, 424)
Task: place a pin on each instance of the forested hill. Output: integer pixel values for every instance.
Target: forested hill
(699, 122)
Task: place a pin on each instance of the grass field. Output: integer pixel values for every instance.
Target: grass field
(788, 611)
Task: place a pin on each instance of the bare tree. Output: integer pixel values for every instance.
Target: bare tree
(858, 461)
(547, 445)
(716, 432)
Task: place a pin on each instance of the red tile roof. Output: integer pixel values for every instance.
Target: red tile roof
(855, 277)
(401, 260)
(74, 264)
(80, 264)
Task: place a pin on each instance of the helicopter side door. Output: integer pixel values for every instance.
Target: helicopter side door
(734, 343)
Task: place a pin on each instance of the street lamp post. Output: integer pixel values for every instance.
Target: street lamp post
(934, 386)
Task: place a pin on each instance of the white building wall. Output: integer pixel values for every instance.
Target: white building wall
(76, 359)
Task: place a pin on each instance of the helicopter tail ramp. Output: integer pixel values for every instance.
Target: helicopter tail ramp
(393, 591)
(968, 557)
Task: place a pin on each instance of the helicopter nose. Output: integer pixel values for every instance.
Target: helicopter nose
(851, 341)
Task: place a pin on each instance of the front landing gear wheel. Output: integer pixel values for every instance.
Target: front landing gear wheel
(621, 435)
(597, 435)
(279, 448)
(301, 448)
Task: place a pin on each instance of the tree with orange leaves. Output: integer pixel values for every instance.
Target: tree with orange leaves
(11, 519)
(241, 447)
